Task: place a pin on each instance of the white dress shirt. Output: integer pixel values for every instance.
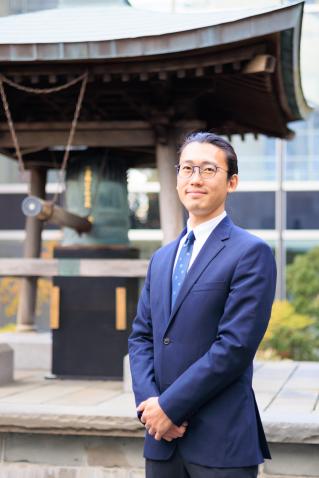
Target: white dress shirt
(201, 232)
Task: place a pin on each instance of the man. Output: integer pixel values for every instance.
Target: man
(202, 313)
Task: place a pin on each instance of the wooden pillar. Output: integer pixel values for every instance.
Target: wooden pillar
(32, 248)
(171, 211)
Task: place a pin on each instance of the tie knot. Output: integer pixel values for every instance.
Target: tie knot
(190, 239)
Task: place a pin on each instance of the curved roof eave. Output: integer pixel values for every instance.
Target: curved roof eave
(284, 19)
(193, 35)
(292, 78)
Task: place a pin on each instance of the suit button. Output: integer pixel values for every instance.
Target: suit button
(166, 340)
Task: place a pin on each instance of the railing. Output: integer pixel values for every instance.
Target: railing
(73, 267)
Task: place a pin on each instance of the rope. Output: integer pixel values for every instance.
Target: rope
(83, 78)
(11, 127)
(42, 91)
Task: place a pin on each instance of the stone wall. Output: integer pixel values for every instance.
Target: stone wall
(55, 456)
(37, 455)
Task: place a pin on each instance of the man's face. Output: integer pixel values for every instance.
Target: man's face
(204, 198)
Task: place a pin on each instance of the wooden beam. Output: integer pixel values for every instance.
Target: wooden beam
(47, 135)
(82, 125)
(91, 134)
(47, 211)
(260, 64)
(73, 267)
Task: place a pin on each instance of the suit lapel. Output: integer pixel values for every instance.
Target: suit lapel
(166, 273)
(213, 245)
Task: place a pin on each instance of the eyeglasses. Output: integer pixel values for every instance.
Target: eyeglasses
(207, 172)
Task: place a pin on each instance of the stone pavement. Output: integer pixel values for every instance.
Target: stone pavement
(82, 420)
(285, 391)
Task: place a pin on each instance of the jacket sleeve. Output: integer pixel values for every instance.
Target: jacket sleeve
(241, 328)
(140, 344)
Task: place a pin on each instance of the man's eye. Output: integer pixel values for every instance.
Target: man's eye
(209, 170)
(186, 169)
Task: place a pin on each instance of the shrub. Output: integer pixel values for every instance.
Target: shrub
(290, 334)
(303, 283)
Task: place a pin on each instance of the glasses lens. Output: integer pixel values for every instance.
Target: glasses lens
(185, 171)
(209, 171)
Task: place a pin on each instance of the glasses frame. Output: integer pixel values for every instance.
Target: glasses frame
(200, 170)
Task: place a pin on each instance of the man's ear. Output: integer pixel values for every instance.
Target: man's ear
(233, 183)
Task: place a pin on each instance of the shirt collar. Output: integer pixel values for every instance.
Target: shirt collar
(206, 227)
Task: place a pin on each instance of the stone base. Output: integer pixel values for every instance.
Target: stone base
(40, 471)
(25, 328)
(293, 460)
(54, 456)
(6, 364)
(32, 350)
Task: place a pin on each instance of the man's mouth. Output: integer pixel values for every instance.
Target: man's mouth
(195, 193)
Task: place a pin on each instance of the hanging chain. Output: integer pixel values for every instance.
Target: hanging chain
(83, 78)
(71, 135)
(42, 91)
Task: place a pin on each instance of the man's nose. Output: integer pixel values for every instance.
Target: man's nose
(196, 176)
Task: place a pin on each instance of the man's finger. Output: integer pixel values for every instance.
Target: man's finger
(141, 406)
(143, 419)
(158, 436)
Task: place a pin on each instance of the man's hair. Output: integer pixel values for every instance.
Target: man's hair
(219, 142)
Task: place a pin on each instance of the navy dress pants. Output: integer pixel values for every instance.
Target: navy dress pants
(176, 467)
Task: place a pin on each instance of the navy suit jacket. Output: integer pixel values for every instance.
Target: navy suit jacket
(198, 357)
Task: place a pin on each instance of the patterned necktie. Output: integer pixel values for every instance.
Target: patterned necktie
(181, 267)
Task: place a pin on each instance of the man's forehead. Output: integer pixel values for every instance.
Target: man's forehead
(200, 153)
(198, 160)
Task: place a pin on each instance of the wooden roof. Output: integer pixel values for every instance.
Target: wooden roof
(232, 72)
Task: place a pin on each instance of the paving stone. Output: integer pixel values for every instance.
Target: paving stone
(257, 365)
(263, 400)
(293, 400)
(265, 385)
(277, 367)
(91, 395)
(7, 391)
(46, 393)
(115, 406)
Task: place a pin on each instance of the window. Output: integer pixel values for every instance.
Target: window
(302, 210)
(252, 210)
